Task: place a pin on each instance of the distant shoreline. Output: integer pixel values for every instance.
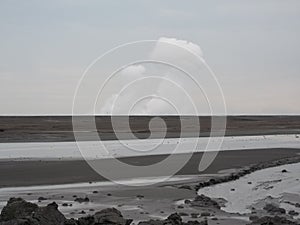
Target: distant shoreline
(60, 129)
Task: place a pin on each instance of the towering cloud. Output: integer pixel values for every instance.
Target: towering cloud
(168, 81)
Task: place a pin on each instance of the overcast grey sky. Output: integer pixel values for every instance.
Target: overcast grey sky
(252, 46)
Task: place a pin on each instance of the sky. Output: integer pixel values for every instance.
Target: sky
(251, 46)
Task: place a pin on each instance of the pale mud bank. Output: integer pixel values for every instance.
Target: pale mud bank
(280, 185)
(131, 148)
(266, 196)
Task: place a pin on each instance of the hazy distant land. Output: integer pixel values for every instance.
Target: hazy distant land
(59, 128)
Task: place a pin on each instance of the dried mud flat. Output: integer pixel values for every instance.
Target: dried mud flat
(174, 202)
(23, 201)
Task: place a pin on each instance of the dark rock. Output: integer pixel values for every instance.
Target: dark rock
(213, 181)
(110, 216)
(273, 209)
(152, 222)
(234, 177)
(95, 192)
(186, 187)
(194, 215)
(17, 208)
(65, 204)
(88, 220)
(71, 222)
(140, 196)
(26, 221)
(205, 214)
(253, 218)
(180, 207)
(204, 201)
(173, 219)
(293, 213)
(196, 223)
(187, 201)
(81, 200)
(49, 215)
(19, 212)
(277, 220)
(42, 199)
(284, 171)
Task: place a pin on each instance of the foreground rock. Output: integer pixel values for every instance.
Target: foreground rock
(110, 216)
(276, 220)
(19, 212)
(173, 219)
(273, 209)
(204, 202)
(17, 208)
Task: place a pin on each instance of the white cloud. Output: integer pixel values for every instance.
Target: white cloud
(172, 92)
(134, 70)
(183, 44)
